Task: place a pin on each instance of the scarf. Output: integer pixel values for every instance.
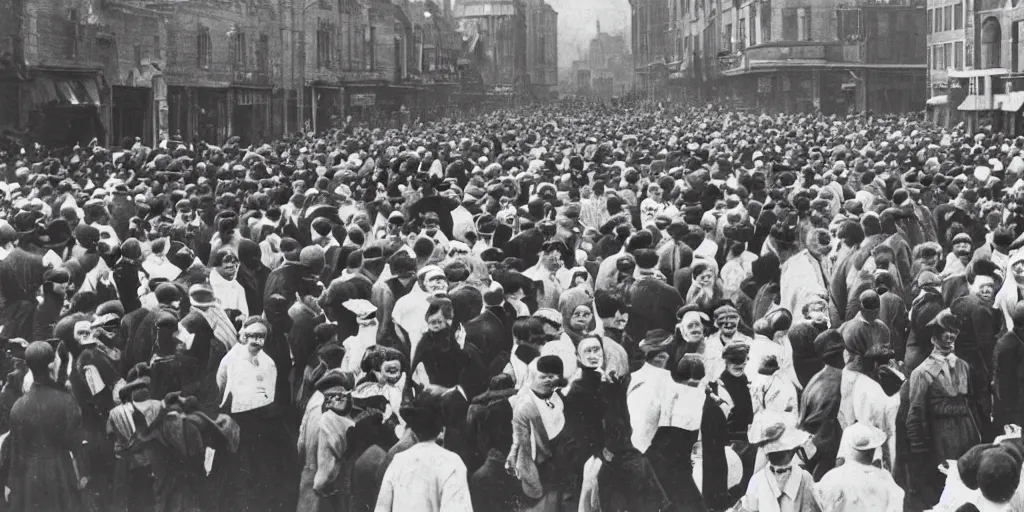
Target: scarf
(221, 325)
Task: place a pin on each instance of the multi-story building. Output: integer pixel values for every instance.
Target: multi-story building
(495, 43)
(610, 64)
(541, 48)
(796, 55)
(650, 22)
(78, 70)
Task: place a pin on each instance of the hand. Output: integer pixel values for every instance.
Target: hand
(607, 455)
(82, 482)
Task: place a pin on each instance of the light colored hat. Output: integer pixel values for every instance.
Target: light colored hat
(361, 307)
(549, 315)
(863, 437)
(775, 432)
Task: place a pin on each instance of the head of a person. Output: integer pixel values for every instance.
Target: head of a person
(727, 319)
(590, 352)
(581, 318)
(982, 277)
(388, 364)
(816, 312)
(529, 331)
(611, 310)
(432, 280)
(962, 245)
(691, 324)
(41, 359)
(927, 255)
(945, 330)
(689, 370)
(735, 356)
(549, 375)
(254, 334)
(440, 314)
(704, 273)
(226, 263)
(552, 253)
(551, 323)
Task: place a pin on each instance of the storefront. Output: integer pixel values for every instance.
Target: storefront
(65, 108)
(198, 113)
(250, 115)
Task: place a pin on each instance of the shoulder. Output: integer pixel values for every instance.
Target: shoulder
(926, 371)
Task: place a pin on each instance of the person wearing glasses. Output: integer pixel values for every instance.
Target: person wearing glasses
(263, 473)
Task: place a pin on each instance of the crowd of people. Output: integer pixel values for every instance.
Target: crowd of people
(561, 307)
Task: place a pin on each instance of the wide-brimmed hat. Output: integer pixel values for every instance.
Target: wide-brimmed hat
(863, 437)
(201, 295)
(774, 432)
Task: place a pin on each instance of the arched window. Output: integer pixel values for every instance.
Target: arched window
(991, 36)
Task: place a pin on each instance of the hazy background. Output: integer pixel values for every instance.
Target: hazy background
(577, 24)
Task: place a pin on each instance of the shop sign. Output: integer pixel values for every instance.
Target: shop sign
(363, 100)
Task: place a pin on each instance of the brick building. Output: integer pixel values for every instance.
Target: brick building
(72, 70)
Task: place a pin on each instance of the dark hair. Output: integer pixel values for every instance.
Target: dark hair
(442, 305)
(218, 257)
(690, 367)
(607, 304)
(529, 329)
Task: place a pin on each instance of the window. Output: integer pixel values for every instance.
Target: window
(324, 40)
(741, 38)
(263, 54)
(204, 49)
(947, 18)
(958, 55)
(958, 16)
(849, 26)
(727, 38)
(790, 25)
(372, 57)
(931, 20)
(937, 27)
(71, 49)
(138, 55)
(156, 48)
(239, 48)
(753, 27)
(804, 20)
(766, 21)
(947, 54)
(937, 57)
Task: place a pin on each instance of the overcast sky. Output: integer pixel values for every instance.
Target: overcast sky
(577, 24)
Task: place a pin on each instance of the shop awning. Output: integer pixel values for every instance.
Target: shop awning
(977, 102)
(49, 90)
(1013, 102)
(938, 100)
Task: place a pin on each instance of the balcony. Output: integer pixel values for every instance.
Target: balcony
(251, 78)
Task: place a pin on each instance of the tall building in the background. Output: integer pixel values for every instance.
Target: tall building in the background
(510, 45)
(541, 48)
(650, 24)
(606, 69)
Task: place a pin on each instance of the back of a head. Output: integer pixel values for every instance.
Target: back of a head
(38, 357)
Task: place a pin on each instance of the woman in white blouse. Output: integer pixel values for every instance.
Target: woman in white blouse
(263, 473)
(223, 279)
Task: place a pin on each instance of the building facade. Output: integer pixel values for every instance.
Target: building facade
(120, 70)
(541, 48)
(793, 55)
(494, 51)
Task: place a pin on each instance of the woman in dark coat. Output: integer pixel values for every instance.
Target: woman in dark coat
(45, 423)
(684, 420)
(21, 274)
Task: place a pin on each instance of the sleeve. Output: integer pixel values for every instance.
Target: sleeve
(222, 372)
(918, 435)
(387, 490)
(1004, 374)
(455, 492)
(330, 450)
(521, 455)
